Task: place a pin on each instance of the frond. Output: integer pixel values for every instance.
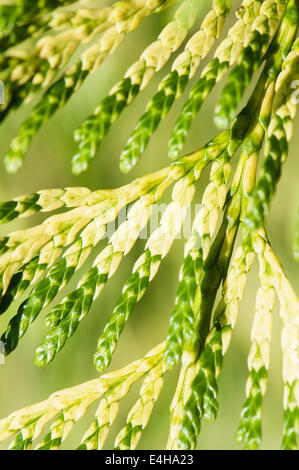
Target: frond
(40, 261)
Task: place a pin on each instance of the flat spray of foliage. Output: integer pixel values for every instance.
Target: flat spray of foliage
(42, 260)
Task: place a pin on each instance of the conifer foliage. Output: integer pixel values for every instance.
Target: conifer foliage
(40, 261)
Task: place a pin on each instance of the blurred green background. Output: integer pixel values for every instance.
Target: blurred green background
(48, 165)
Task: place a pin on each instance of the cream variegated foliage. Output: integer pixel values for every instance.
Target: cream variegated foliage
(260, 53)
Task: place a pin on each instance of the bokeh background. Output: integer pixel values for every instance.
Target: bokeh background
(48, 165)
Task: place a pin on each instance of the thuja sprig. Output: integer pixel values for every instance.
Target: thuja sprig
(46, 201)
(173, 85)
(138, 417)
(29, 19)
(93, 130)
(250, 428)
(247, 43)
(61, 230)
(61, 91)
(181, 329)
(251, 57)
(226, 55)
(19, 11)
(104, 266)
(188, 410)
(64, 320)
(276, 149)
(27, 69)
(289, 315)
(196, 395)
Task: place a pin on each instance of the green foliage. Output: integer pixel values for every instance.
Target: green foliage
(40, 261)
